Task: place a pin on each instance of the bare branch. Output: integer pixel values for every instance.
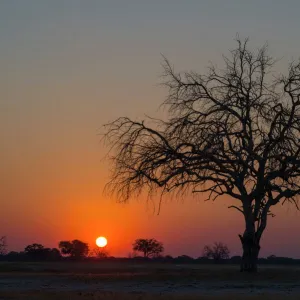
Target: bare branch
(233, 131)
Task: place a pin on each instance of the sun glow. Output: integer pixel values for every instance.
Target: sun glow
(101, 241)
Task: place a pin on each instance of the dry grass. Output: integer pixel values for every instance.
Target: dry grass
(153, 271)
(131, 296)
(92, 276)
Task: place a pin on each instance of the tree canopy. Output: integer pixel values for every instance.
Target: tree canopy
(75, 249)
(149, 247)
(37, 251)
(217, 251)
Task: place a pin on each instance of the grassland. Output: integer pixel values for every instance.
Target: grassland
(145, 281)
(130, 296)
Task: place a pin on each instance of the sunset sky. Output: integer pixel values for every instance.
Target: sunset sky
(70, 66)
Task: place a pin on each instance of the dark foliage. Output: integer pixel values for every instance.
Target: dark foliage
(217, 252)
(37, 252)
(100, 253)
(149, 247)
(75, 249)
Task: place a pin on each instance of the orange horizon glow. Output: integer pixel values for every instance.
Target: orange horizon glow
(67, 69)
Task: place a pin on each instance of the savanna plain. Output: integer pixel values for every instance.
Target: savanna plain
(144, 281)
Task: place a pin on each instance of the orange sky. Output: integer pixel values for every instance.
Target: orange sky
(68, 68)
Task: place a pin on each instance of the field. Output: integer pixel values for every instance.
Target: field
(145, 281)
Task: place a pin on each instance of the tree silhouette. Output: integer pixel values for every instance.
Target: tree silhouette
(217, 252)
(149, 247)
(3, 245)
(34, 248)
(99, 252)
(231, 132)
(54, 254)
(39, 252)
(75, 249)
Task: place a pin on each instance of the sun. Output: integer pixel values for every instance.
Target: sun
(101, 241)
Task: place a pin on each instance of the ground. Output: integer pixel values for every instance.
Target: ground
(145, 281)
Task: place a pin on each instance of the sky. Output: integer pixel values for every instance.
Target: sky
(70, 66)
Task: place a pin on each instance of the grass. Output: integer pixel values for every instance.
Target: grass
(106, 275)
(130, 296)
(152, 271)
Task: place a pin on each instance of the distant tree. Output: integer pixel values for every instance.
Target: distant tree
(13, 255)
(65, 247)
(54, 254)
(149, 247)
(184, 258)
(217, 252)
(273, 259)
(37, 252)
(80, 249)
(203, 259)
(232, 131)
(75, 249)
(3, 245)
(168, 257)
(99, 252)
(34, 248)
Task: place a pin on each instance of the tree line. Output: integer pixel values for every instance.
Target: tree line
(142, 250)
(76, 249)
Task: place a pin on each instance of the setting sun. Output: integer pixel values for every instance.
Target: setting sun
(101, 241)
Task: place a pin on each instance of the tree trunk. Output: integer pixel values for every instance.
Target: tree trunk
(250, 244)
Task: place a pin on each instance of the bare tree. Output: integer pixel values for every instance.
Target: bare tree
(99, 252)
(3, 245)
(231, 132)
(217, 252)
(149, 247)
